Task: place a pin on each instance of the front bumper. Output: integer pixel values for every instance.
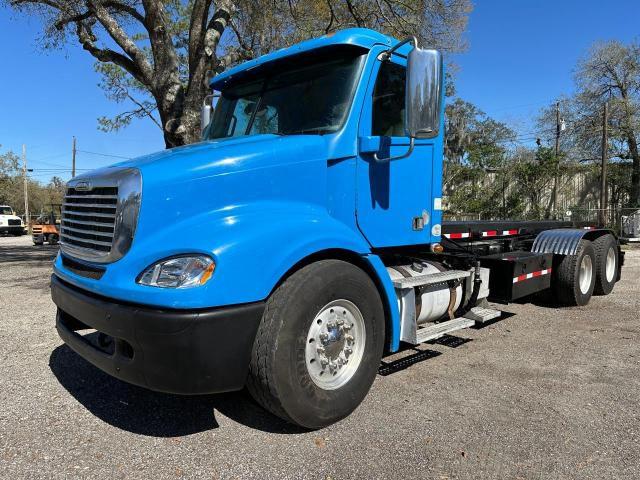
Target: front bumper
(175, 351)
(13, 229)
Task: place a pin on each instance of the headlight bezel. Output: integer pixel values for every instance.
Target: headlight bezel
(192, 275)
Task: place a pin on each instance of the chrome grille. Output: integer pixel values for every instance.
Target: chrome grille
(100, 214)
(89, 217)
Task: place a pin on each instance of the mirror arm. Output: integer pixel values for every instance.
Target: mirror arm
(404, 155)
(384, 56)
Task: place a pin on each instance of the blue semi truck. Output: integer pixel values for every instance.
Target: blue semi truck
(301, 240)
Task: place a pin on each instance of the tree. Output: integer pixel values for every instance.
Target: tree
(9, 170)
(533, 172)
(610, 72)
(476, 169)
(12, 187)
(159, 56)
(473, 137)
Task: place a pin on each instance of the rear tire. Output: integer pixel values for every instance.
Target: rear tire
(574, 276)
(606, 250)
(285, 377)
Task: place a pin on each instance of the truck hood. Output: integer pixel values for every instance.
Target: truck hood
(225, 175)
(225, 156)
(4, 218)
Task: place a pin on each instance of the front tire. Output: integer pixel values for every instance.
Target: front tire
(574, 276)
(298, 370)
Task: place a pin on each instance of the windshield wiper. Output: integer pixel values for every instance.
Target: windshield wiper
(318, 130)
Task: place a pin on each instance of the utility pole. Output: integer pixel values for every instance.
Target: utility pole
(603, 173)
(557, 172)
(26, 190)
(73, 158)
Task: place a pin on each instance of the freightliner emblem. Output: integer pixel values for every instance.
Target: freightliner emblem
(83, 186)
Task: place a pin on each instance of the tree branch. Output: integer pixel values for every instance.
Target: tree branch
(166, 62)
(144, 110)
(86, 39)
(197, 30)
(117, 33)
(217, 26)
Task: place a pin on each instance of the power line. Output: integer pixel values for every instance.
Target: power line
(49, 164)
(104, 154)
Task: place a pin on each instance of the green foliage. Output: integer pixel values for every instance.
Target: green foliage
(476, 157)
(12, 187)
(473, 138)
(532, 175)
(121, 87)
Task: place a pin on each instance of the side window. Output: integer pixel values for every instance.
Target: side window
(231, 117)
(265, 121)
(388, 101)
(241, 115)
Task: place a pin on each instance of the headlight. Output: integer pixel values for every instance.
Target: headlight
(178, 272)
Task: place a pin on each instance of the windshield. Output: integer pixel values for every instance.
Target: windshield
(6, 211)
(312, 98)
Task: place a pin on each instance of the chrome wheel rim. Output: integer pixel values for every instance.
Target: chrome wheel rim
(335, 344)
(586, 273)
(610, 266)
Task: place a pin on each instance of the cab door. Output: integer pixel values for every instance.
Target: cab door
(394, 197)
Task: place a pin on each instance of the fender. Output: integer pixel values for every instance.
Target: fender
(389, 299)
(565, 241)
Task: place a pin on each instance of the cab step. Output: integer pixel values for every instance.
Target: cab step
(431, 279)
(482, 314)
(438, 330)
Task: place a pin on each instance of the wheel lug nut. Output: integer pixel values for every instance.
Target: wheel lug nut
(347, 327)
(320, 350)
(348, 351)
(331, 325)
(340, 322)
(324, 362)
(349, 338)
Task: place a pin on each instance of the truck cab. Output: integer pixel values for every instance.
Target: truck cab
(10, 222)
(293, 246)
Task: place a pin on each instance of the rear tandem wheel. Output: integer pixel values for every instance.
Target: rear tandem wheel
(606, 250)
(574, 276)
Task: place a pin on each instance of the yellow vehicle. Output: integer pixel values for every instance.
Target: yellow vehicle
(47, 226)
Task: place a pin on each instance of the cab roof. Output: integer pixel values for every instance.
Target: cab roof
(359, 37)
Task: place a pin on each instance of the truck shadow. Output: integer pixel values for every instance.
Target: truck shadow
(144, 412)
(29, 255)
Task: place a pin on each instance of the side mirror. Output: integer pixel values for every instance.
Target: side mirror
(206, 111)
(423, 102)
(424, 93)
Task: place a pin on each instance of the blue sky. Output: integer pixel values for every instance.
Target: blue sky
(522, 54)
(520, 57)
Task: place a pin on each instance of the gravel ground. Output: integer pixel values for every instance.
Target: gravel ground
(541, 393)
